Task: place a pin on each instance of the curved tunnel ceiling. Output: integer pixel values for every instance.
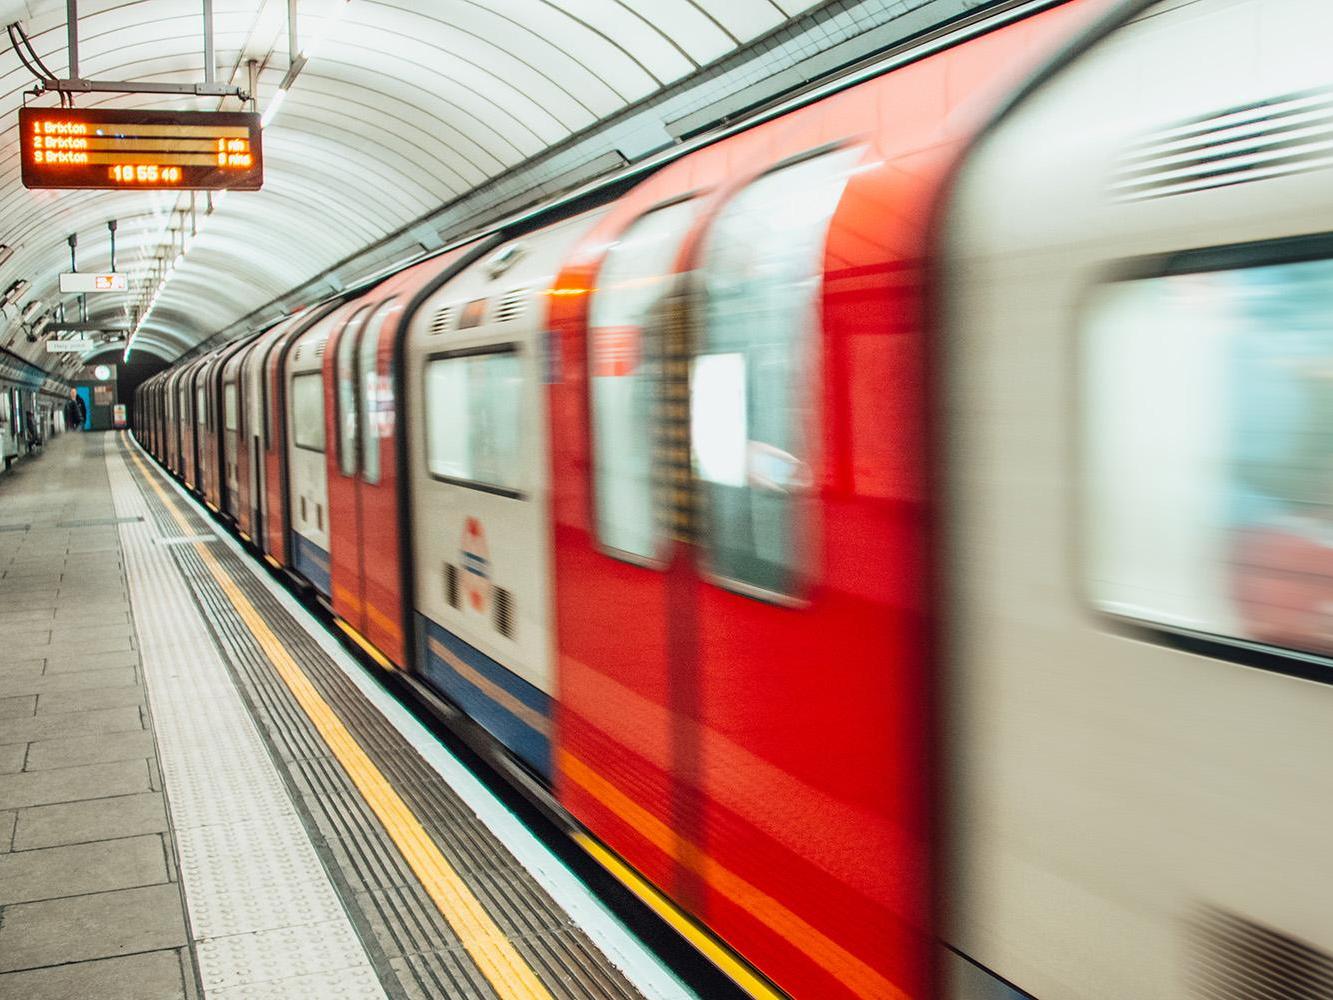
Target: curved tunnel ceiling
(403, 107)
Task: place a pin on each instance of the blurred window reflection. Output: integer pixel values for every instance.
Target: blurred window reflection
(1209, 434)
(308, 411)
(635, 275)
(473, 416)
(376, 394)
(229, 409)
(348, 430)
(754, 377)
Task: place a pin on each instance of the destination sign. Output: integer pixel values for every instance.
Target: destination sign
(69, 346)
(84, 281)
(123, 149)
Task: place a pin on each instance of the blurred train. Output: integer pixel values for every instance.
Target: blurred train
(902, 519)
(32, 407)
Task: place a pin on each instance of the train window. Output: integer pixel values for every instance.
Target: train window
(270, 404)
(229, 414)
(474, 419)
(308, 411)
(1208, 436)
(348, 413)
(754, 375)
(623, 378)
(376, 395)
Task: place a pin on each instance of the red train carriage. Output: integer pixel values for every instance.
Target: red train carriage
(365, 482)
(272, 498)
(742, 564)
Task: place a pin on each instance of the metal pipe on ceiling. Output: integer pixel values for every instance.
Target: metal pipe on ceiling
(72, 33)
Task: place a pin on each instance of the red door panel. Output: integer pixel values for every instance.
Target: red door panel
(365, 483)
(343, 463)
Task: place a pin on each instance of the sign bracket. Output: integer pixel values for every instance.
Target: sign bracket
(75, 84)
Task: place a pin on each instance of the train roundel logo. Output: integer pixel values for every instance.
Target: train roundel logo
(476, 560)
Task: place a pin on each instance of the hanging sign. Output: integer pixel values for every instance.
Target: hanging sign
(119, 148)
(73, 282)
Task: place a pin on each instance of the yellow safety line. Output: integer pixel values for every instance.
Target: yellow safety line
(366, 645)
(859, 976)
(705, 943)
(492, 951)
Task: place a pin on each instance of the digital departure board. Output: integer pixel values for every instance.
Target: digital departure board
(126, 150)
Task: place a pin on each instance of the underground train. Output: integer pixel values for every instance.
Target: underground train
(898, 527)
(28, 395)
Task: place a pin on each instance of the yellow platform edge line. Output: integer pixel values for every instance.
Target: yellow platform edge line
(365, 644)
(717, 953)
(489, 947)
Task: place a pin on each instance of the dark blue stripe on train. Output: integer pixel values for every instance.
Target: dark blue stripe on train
(311, 562)
(481, 687)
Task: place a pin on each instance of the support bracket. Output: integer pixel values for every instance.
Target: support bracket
(75, 84)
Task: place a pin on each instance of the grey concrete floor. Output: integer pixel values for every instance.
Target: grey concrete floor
(90, 904)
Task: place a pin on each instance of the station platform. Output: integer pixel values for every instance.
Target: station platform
(203, 794)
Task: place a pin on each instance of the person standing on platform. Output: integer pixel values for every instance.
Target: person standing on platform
(75, 411)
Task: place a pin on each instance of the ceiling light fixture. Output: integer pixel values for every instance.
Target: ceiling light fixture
(15, 292)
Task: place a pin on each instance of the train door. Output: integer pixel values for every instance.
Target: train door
(171, 398)
(185, 427)
(213, 463)
(276, 514)
(610, 534)
(381, 479)
(250, 468)
(232, 432)
(161, 423)
(201, 428)
(376, 580)
(308, 440)
(343, 466)
(806, 552)
(364, 478)
(185, 401)
(275, 499)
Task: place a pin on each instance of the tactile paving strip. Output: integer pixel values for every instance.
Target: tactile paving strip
(420, 946)
(248, 868)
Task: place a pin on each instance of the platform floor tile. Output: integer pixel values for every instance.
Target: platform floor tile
(89, 904)
(155, 975)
